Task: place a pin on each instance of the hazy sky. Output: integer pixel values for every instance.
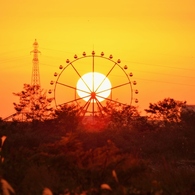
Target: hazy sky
(156, 39)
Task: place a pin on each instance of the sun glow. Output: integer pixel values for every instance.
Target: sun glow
(93, 87)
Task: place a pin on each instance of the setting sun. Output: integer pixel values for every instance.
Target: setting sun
(93, 86)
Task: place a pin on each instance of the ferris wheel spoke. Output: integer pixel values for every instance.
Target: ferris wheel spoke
(115, 101)
(75, 100)
(86, 106)
(99, 106)
(93, 74)
(99, 92)
(120, 85)
(72, 87)
(80, 77)
(99, 103)
(93, 106)
(105, 77)
(99, 96)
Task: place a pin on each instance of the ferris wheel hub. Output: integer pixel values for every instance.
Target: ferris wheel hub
(93, 95)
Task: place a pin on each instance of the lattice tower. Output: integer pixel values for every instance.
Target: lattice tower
(35, 79)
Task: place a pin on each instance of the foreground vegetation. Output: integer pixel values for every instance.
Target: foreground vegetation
(119, 153)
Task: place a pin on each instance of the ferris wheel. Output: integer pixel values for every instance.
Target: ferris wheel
(91, 81)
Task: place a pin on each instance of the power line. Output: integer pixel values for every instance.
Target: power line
(172, 75)
(13, 67)
(13, 59)
(165, 82)
(148, 64)
(152, 80)
(61, 51)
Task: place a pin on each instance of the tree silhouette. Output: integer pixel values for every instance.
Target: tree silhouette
(188, 116)
(33, 103)
(67, 117)
(121, 116)
(166, 111)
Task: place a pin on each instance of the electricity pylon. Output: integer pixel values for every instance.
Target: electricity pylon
(35, 79)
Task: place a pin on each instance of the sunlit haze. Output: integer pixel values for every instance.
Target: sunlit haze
(155, 39)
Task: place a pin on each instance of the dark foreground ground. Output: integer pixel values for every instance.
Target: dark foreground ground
(111, 161)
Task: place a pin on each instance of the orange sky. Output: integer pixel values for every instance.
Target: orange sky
(156, 39)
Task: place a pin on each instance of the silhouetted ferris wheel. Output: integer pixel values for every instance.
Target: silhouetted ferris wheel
(91, 81)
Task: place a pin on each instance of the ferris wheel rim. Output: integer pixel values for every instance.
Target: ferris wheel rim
(93, 56)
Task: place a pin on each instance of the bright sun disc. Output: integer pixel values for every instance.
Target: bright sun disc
(94, 86)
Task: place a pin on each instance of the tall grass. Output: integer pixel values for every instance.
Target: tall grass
(6, 187)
